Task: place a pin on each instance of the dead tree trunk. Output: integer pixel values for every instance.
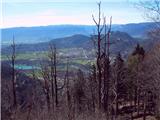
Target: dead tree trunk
(51, 60)
(69, 106)
(131, 106)
(13, 57)
(93, 87)
(67, 86)
(98, 60)
(55, 76)
(144, 106)
(107, 69)
(45, 75)
(102, 60)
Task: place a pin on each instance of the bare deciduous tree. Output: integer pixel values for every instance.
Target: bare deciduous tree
(13, 58)
(152, 8)
(99, 53)
(152, 75)
(102, 45)
(46, 86)
(53, 73)
(51, 62)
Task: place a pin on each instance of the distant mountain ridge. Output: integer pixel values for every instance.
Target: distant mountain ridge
(122, 42)
(46, 33)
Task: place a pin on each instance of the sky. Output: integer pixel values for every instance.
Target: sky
(24, 13)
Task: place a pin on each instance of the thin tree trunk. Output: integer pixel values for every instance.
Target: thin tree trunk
(51, 57)
(14, 73)
(138, 102)
(98, 61)
(131, 106)
(135, 98)
(144, 106)
(55, 76)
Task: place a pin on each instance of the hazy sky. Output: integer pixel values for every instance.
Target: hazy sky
(17, 13)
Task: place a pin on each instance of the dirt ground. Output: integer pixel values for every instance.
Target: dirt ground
(147, 118)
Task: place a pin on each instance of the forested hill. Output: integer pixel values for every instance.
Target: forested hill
(46, 33)
(121, 42)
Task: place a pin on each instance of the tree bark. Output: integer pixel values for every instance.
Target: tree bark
(13, 46)
(55, 76)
